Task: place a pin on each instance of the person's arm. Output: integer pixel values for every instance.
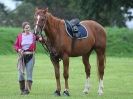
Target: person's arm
(17, 46)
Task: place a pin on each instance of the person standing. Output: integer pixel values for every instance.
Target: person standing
(25, 46)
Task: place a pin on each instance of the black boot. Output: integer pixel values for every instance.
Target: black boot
(22, 86)
(28, 87)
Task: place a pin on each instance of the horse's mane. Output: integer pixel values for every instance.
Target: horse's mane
(53, 27)
(54, 20)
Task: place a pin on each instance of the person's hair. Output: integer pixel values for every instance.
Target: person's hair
(24, 24)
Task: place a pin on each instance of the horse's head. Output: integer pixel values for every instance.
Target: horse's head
(40, 19)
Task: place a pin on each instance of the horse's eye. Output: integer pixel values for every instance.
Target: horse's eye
(43, 19)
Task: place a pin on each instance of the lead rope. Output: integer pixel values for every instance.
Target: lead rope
(47, 48)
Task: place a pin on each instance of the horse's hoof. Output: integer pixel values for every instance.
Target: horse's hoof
(66, 93)
(85, 91)
(25, 92)
(57, 93)
(100, 92)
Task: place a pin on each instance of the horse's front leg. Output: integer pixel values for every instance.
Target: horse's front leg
(66, 74)
(57, 76)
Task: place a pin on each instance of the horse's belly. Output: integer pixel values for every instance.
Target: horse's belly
(80, 51)
(80, 47)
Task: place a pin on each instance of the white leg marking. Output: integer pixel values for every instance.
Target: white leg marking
(87, 86)
(100, 88)
(66, 90)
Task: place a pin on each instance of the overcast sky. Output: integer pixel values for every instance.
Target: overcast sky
(130, 23)
(10, 4)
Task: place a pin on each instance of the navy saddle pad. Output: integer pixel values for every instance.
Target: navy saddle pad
(82, 32)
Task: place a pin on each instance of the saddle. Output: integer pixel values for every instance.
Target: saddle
(75, 29)
(73, 26)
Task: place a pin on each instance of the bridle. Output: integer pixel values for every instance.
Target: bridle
(37, 25)
(47, 49)
(40, 33)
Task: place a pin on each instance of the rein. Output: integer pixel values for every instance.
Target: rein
(54, 56)
(45, 48)
(49, 50)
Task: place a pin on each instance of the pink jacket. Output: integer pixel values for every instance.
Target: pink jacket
(18, 41)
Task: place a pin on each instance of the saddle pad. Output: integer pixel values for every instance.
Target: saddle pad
(82, 31)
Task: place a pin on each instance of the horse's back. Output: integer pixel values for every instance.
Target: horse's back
(97, 31)
(79, 47)
(93, 25)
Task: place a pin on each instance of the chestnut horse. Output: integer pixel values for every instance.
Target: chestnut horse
(64, 46)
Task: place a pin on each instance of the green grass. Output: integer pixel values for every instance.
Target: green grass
(7, 39)
(119, 41)
(118, 79)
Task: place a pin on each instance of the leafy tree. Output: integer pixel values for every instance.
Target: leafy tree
(24, 12)
(3, 14)
(107, 12)
(60, 8)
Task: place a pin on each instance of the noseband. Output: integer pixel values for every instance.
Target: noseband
(53, 55)
(41, 27)
(40, 33)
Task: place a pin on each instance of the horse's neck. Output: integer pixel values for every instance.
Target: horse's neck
(53, 27)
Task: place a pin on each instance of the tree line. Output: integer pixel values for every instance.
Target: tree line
(106, 12)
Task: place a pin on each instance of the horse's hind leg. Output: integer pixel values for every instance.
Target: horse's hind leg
(86, 63)
(101, 63)
(57, 76)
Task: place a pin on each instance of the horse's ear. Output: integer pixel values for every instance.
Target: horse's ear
(46, 9)
(36, 9)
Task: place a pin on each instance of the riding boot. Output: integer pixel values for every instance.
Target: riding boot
(28, 87)
(22, 86)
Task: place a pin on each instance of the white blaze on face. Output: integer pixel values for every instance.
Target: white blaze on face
(38, 18)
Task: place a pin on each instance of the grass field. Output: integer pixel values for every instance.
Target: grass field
(119, 41)
(118, 79)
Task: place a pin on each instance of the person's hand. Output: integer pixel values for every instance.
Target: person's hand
(40, 39)
(20, 51)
